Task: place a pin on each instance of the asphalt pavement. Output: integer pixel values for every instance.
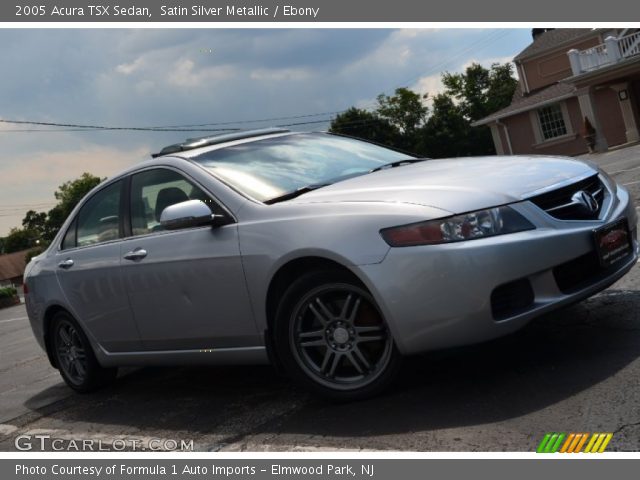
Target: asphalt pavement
(575, 370)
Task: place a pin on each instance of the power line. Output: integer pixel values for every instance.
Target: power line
(437, 68)
(26, 207)
(20, 210)
(72, 127)
(107, 129)
(25, 204)
(479, 45)
(273, 119)
(326, 120)
(78, 127)
(170, 128)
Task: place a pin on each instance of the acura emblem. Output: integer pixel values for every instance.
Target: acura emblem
(586, 201)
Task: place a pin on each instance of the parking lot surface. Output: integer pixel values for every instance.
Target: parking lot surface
(576, 370)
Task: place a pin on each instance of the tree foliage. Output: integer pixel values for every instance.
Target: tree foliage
(360, 123)
(39, 228)
(446, 133)
(35, 222)
(404, 121)
(19, 239)
(71, 192)
(68, 196)
(404, 110)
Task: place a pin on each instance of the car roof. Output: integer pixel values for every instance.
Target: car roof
(218, 139)
(185, 155)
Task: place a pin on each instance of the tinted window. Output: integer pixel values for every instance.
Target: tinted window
(271, 167)
(99, 218)
(153, 191)
(69, 240)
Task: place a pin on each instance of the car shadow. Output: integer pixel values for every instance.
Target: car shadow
(553, 358)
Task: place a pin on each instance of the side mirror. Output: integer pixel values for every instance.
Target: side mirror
(189, 214)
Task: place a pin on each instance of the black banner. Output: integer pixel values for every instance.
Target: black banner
(316, 11)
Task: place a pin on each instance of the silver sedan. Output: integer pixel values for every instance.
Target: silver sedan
(327, 256)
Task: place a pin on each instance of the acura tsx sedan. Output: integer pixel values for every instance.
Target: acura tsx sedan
(328, 256)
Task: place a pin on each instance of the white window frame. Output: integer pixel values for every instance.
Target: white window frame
(534, 116)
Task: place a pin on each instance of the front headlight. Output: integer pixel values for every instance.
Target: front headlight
(468, 226)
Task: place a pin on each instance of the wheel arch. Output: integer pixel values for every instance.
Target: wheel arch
(292, 270)
(317, 271)
(49, 313)
(280, 281)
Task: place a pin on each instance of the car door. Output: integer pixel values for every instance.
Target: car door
(186, 287)
(88, 271)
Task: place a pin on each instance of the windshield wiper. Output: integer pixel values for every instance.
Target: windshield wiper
(398, 163)
(296, 193)
(315, 186)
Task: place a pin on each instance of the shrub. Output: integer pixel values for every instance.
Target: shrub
(8, 292)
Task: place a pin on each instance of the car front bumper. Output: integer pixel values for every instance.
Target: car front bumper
(440, 296)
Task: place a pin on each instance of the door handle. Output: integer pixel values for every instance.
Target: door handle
(137, 254)
(66, 264)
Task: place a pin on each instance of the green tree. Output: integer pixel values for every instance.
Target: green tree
(71, 192)
(403, 120)
(480, 91)
(36, 222)
(68, 196)
(19, 239)
(472, 95)
(446, 132)
(39, 228)
(359, 123)
(404, 110)
(502, 86)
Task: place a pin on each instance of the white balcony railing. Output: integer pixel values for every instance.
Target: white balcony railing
(629, 45)
(611, 51)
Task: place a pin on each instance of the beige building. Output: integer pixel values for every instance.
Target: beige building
(578, 89)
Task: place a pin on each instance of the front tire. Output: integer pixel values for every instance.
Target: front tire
(74, 356)
(332, 337)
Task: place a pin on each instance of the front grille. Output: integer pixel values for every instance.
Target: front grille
(562, 204)
(511, 299)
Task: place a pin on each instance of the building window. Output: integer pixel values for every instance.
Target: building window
(552, 122)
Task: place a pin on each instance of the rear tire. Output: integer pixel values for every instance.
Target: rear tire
(74, 356)
(332, 338)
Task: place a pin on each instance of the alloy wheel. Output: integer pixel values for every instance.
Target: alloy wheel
(339, 337)
(71, 352)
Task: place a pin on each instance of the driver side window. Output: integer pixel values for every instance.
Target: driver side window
(154, 190)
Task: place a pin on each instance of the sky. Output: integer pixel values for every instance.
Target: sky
(167, 77)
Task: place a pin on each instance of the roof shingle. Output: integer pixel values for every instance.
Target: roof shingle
(12, 265)
(522, 102)
(551, 39)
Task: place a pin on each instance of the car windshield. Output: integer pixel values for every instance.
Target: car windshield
(269, 168)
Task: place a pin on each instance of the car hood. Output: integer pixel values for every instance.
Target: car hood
(456, 185)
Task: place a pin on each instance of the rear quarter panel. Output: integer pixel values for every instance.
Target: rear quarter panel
(44, 292)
